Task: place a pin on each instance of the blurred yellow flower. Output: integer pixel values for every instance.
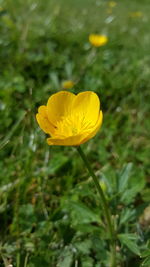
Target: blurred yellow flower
(98, 40)
(112, 4)
(136, 14)
(70, 119)
(68, 84)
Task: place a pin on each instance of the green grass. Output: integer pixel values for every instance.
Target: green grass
(49, 209)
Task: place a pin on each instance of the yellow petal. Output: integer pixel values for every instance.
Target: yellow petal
(68, 141)
(95, 129)
(43, 121)
(59, 105)
(88, 105)
(78, 139)
(42, 110)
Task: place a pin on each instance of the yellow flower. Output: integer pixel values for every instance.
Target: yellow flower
(112, 4)
(137, 14)
(68, 84)
(70, 119)
(98, 40)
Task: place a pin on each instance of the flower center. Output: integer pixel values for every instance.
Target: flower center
(72, 125)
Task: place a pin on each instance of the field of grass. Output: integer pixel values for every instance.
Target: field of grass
(50, 213)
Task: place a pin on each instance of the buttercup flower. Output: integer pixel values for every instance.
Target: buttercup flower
(137, 14)
(112, 4)
(98, 40)
(68, 84)
(70, 119)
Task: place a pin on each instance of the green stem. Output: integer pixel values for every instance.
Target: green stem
(104, 205)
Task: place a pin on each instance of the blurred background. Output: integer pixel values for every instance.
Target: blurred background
(49, 210)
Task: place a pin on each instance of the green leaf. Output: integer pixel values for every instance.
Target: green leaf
(87, 262)
(126, 215)
(80, 213)
(84, 246)
(124, 177)
(87, 228)
(146, 262)
(145, 253)
(66, 258)
(130, 240)
(129, 194)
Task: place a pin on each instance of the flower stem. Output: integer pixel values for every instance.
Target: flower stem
(104, 205)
